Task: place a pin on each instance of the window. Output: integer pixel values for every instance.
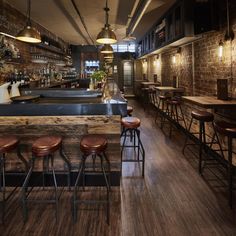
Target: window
(124, 47)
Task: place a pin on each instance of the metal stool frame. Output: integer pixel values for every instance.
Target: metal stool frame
(82, 172)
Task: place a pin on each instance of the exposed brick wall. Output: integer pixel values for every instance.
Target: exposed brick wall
(201, 80)
(11, 22)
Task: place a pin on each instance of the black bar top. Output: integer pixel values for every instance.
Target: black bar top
(53, 102)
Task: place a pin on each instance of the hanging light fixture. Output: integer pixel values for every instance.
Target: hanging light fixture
(107, 48)
(108, 56)
(106, 36)
(220, 52)
(29, 34)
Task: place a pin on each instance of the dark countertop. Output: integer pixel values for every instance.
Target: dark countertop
(67, 102)
(52, 84)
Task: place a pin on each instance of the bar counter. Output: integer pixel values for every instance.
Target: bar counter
(70, 113)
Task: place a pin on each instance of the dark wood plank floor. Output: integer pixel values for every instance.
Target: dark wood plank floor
(172, 199)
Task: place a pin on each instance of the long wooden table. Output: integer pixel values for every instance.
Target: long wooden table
(169, 89)
(149, 83)
(210, 102)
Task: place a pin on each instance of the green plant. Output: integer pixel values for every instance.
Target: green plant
(98, 75)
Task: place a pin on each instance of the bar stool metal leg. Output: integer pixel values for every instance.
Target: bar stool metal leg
(25, 188)
(2, 184)
(230, 172)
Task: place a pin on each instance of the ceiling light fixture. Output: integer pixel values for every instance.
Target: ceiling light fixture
(29, 34)
(107, 48)
(106, 36)
(108, 56)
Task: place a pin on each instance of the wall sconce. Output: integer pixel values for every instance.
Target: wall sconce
(156, 61)
(220, 50)
(229, 35)
(174, 59)
(144, 62)
(176, 56)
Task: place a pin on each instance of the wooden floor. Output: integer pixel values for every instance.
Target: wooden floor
(172, 199)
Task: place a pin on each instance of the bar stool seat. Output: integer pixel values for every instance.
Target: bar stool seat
(229, 130)
(46, 145)
(202, 116)
(44, 148)
(226, 128)
(8, 143)
(93, 144)
(130, 127)
(129, 110)
(130, 122)
(175, 112)
(161, 108)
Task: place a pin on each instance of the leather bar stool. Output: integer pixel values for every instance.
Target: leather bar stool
(129, 110)
(93, 145)
(130, 127)
(7, 145)
(162, 108)
(145, 98)
(44, 148)
(175, 112)
(152, 96)
(228, 130)
(202, 117)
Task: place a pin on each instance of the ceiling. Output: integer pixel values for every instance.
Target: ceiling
(61, 18)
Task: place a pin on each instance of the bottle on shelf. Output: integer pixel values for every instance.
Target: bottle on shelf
(91, 84)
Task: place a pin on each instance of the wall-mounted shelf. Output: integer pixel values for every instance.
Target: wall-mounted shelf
(179, 25)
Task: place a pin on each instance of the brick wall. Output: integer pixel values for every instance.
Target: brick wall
(11, 22)
(198, 66)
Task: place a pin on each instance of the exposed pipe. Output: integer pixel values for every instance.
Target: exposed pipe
(82, 20)
(61, 6)
(139, 12)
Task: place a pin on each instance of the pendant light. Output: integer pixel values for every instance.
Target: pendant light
(106, 36)
(29, 34)
(107, 48)
(108, 56)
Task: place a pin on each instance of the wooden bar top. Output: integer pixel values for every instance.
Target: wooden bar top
(210, 102)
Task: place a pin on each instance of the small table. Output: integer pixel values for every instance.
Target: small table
(210, 102)
(149, 83)
(169, 89)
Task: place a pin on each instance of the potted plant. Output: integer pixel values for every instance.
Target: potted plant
(98, 77)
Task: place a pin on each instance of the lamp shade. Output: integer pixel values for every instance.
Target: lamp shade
(29, 34)
(107, 48)
(106, 36)
(108, 56)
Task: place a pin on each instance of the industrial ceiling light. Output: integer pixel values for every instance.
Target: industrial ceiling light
(229, 34)
(220, 52)
(107, 48)
(106, 36)
(29, 34)
(108, 56)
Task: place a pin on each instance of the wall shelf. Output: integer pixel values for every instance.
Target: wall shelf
(178, 26)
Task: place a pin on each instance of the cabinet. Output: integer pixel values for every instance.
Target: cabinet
(180, 24)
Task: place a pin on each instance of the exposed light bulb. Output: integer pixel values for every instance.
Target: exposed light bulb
(174, 59)
(220, 50)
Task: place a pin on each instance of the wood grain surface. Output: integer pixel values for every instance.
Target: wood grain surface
(172, 199)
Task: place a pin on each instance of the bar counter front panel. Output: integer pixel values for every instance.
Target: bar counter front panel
(71, 120)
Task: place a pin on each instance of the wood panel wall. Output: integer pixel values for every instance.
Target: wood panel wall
(71, 128)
